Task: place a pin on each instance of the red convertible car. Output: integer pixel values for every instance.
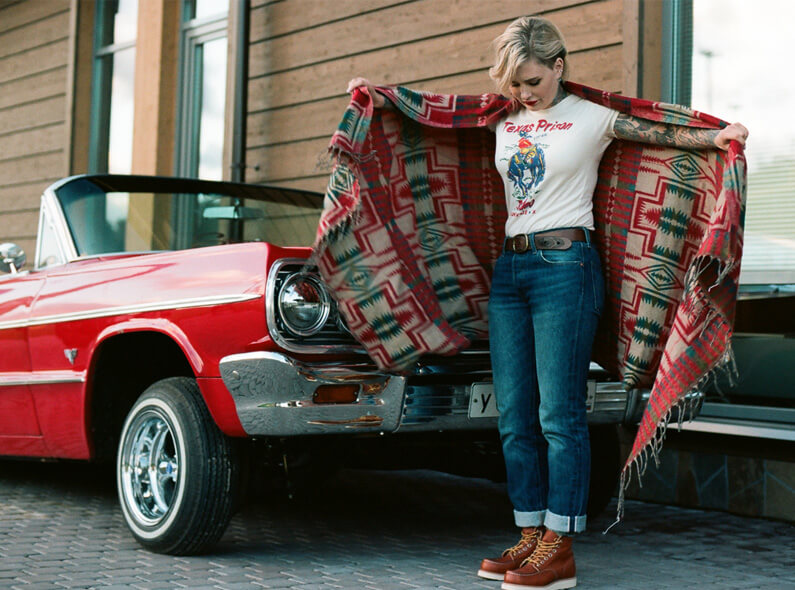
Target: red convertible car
(174, 325)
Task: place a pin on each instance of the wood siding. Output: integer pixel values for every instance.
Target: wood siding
(301, 55)
(303, 52)
(34, 55)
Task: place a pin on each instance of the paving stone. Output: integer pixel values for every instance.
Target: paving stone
(78, 585)
(283, 583)
(372, 530)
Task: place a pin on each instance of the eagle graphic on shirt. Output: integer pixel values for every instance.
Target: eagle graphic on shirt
(526, 168)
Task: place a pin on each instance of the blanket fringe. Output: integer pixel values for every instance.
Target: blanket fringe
(696, 302)
(683, 409)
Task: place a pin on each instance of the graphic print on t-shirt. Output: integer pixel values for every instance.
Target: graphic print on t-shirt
(548, 162)
(526, 169)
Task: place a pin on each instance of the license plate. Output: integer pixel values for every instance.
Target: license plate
(482, 403)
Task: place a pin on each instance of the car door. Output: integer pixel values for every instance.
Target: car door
(19, 428)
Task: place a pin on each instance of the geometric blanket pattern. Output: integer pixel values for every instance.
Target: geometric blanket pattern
(414, 217)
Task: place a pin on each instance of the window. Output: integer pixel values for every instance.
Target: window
(738, 49)
(48, 250)
(113, 86)
(202, 101)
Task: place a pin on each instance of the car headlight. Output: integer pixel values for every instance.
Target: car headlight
(304, 304)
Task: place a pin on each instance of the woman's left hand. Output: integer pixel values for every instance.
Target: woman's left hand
(733, 132)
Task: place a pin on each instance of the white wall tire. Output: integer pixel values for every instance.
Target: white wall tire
(177, 475)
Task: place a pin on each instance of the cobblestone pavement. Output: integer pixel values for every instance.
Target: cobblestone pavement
(60, 527)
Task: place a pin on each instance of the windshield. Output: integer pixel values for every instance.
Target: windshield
(175, 215)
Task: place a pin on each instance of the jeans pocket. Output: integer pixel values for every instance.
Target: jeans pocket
(573, 255)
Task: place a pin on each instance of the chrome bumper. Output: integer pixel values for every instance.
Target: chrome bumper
(275, 396)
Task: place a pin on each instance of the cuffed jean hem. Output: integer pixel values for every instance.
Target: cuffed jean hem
(564, 524)
(524, 519)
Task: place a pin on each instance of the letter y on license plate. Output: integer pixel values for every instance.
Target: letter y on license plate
(482, 403)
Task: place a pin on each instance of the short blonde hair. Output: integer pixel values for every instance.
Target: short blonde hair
(526, 38)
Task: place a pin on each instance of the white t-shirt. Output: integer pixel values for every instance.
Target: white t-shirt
(548, 161)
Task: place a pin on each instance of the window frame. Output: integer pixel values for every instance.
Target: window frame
(101, 90)
(678, 24)
(677, 50)
(194, 33)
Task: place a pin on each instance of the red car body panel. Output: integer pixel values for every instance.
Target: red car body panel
(17, 415)
(209, 301)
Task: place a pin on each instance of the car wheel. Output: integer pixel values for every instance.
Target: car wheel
(177, 474)
(605, 466)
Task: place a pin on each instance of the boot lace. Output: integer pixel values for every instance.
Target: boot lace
(544, 551)
(527, 538)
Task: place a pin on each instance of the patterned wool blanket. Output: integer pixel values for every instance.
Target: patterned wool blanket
(413, 222)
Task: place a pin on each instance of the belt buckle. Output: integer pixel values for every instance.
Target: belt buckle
(553, 243)
(519, 249)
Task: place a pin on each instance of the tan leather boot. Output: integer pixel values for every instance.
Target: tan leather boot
(551, 566)
(511, 558)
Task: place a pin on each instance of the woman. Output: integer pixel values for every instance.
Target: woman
(547, 291)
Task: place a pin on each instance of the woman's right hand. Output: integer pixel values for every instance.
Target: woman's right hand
(378, 99)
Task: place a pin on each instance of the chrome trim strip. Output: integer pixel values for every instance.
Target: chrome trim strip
(45, 225)
(41, 378)
(50, 202)
(130, 309)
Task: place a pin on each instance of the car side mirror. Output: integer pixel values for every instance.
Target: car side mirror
(12, 258)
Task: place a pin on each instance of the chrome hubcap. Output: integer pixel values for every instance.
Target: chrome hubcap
(149, 467)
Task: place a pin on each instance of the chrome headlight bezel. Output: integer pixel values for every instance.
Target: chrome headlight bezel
(332, 338)
(286, 313)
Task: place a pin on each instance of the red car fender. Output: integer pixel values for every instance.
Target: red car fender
(159, 325)
(218, 399)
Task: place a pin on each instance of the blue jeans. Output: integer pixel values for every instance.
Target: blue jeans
(543, 311)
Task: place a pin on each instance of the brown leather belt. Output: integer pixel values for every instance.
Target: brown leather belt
(556, 239)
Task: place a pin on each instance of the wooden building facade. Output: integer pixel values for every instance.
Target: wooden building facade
(287, 66)
(35, 41)
(302, 53)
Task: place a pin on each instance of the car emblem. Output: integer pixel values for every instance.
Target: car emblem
(70, 354)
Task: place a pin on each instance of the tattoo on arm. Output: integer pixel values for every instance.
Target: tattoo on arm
(635, 129)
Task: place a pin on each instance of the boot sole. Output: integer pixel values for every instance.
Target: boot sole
(491, 575)
(559, 585)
